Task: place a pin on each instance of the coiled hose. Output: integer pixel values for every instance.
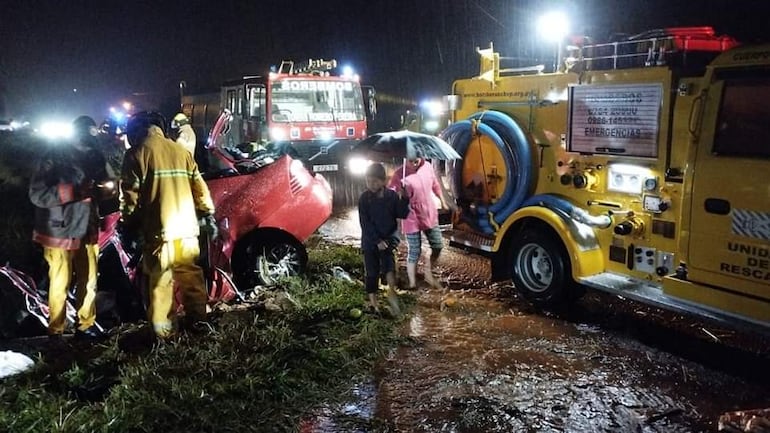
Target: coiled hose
(522, 176)
(460, 136)
(513, 144)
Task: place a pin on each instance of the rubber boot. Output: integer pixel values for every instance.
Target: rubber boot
(395, 309)
(428, 272)
(429, 278)
(411, 274)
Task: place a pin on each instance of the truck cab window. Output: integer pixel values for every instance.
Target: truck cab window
(256, 101)
(742, 126)
(232, 101)
(315, 100)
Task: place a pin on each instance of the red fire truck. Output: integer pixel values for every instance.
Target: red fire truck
(304, 111)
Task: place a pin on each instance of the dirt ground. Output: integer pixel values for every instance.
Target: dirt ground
(492, 363)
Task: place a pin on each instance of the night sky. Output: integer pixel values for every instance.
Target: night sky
(110, 50)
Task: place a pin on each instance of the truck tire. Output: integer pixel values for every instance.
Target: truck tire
(540, 268)
(264, 260)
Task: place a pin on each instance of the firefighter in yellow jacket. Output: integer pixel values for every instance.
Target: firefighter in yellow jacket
(164, 196)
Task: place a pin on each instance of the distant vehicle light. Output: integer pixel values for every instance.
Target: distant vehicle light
(56, 129)
(358, 165)
(431, 125)
(433, 108)
(277, 134)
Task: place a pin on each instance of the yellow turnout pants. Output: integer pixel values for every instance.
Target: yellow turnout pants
(174, 261)
(61, 264)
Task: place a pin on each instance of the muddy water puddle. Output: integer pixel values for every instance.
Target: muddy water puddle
(491, 363)
(478, 368)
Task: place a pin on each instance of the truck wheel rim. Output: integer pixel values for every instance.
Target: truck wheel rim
(535, 267)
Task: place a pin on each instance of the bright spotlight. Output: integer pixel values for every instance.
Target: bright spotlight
(347, 71)
(553, 26)
(54, 130)
(358, 165)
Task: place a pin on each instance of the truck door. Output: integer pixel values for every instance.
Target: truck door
(730, 221)
(256, 130)
(232, 99)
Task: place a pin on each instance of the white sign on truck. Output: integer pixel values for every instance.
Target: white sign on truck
(618, 119)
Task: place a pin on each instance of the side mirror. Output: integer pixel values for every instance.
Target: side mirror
(408, 119)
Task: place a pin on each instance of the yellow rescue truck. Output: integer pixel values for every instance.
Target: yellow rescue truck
(640, 167)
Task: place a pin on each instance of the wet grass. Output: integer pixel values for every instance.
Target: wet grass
(322, 257)
(251, 371)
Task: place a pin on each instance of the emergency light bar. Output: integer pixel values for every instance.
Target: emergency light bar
(313, 66)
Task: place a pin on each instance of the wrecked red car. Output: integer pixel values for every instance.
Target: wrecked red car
(266, 208)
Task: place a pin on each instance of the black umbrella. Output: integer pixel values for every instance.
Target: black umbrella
(405, 144)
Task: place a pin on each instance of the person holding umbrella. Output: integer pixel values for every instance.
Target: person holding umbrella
(416, 179)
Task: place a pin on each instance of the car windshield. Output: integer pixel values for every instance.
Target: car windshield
(316, 101)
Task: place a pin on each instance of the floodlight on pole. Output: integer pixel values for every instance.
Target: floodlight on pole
(554, 26)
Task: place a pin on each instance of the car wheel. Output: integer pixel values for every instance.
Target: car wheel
(265, 261)
(541, 268)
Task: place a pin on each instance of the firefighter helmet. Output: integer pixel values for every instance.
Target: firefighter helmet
(179, 120)
(139, 123)
(84, 126)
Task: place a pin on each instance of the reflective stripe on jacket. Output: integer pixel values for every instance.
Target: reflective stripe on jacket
(163, 191)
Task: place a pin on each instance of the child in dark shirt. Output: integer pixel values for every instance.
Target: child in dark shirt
(378, 209)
